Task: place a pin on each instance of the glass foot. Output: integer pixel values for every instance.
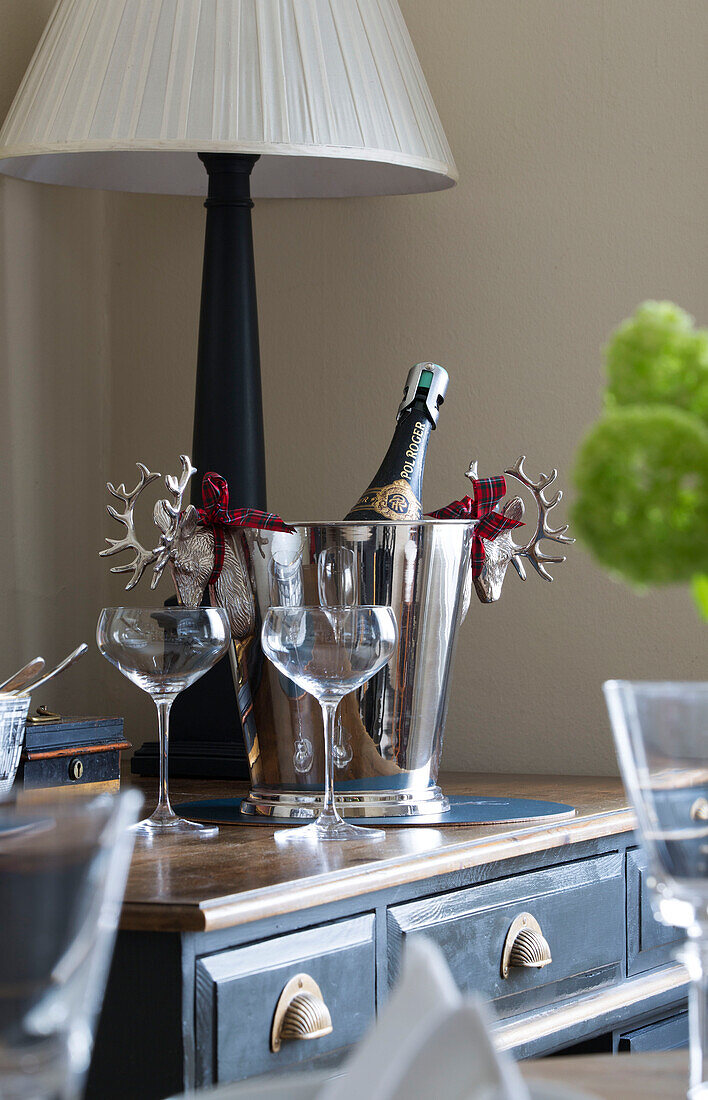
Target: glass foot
(160, 824)
(328, 829)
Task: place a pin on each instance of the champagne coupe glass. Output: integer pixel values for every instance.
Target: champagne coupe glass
(337, 577)
(338, 586)
(661, 736)
(163, 650)
(287, 590)
(329, 652)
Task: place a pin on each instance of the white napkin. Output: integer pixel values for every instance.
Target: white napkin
(428, 1041)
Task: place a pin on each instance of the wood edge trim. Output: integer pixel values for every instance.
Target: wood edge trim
(31, 796)
(162, 917)
(282, 898)
(629, 992)
(76, 750)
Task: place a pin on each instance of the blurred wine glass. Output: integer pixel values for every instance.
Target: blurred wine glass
(329, 652)
(63, 868)
(661, 736)
(163, 650)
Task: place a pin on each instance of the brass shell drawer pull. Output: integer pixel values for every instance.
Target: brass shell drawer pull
(699, 810)
(301, 1013)
(525, 945)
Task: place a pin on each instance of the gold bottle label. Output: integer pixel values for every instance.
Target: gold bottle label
(394, 501)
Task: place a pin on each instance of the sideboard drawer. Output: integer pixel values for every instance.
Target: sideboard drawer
(579, 907)
(669, 1034)
(649, 942)
(237, 992)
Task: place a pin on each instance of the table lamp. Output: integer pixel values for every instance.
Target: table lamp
(270, 98)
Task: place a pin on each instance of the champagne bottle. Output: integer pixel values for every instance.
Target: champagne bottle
(395, 490)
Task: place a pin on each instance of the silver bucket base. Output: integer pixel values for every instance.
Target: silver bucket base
(306, 804)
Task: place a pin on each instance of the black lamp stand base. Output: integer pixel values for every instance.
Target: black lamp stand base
(193, 760)
(205, 730)
(209, 742)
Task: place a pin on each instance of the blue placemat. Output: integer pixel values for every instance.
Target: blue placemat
(464, 810)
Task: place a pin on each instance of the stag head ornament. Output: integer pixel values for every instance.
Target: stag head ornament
(502, 550)
(189, 550)
(186, 547)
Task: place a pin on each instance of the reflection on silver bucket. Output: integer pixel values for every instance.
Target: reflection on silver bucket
(389, 737)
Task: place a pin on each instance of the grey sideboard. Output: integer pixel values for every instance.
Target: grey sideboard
(212, 932)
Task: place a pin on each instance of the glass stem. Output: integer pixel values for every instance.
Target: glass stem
(163, 808)
(329, 712)
(695, 958)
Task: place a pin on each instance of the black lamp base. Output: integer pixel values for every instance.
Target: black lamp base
(205, 730)
(209, 742)
(193, 760)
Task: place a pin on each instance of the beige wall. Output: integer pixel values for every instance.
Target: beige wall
(578, 128)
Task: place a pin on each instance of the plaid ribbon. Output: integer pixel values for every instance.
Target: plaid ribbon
(488, 491)
(215, 514)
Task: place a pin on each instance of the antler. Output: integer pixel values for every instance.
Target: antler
(167, 515)
(532, 550)
(143, 557)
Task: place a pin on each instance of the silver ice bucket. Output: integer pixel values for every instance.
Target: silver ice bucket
(389, 736)
(390, 732)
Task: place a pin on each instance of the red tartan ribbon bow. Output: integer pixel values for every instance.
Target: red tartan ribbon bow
(215, 514)
(488, 491)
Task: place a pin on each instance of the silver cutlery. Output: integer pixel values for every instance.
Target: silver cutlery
(61, 667)
(23, 675)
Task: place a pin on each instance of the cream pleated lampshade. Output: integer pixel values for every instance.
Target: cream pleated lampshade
(122, 95)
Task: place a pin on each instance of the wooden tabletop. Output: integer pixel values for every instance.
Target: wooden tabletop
(243, 875)
(617, 1076)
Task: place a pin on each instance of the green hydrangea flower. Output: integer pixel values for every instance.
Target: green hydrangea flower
(641, 477)
(657, 356)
